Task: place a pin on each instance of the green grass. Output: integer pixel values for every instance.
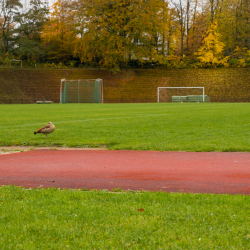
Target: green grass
(155, 126)
(75, 219)
(78, 219)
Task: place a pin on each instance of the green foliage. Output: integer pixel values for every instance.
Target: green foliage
(241, 58)
(175, 62)
(8, 13)
(28, 33)
(6, 62)
(233, 62)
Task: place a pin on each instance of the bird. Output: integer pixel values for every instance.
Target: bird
(49, 128)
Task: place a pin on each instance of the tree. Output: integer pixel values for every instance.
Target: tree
(233, 18)
(163, 33)
(120, 30)
(211, 51)
(28, 33)
(196, 33)
(9, 10)
(59, 33)
(242, 14)
(181, 16)
(185, 15)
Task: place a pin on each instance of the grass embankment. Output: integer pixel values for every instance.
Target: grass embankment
(157, 126)
(73, 219)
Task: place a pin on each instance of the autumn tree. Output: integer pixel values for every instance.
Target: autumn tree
(120, 30)
(213, 6)
(196, 33)
(28, 33)
(211, 51)
(180, 8)
(194, 25)
(242, 24)
(59, 33)
(185, 12)
(9, 10)
(233, 18)
(163, 31)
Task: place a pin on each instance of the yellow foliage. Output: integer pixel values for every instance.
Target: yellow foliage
(211, 50)
(242, 63)
(240, 52)
(59, 34)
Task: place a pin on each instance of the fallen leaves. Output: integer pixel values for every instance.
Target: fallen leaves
(140, 210)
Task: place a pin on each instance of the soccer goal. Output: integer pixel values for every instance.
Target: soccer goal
(181, 94)
(81, 91)
(13, 60)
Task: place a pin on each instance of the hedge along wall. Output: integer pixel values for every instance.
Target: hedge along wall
(29, 85)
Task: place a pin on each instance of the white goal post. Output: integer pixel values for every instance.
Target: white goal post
(81, 90)
(160, 88)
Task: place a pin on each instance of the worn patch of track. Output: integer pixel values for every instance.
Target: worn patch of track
(205, 172)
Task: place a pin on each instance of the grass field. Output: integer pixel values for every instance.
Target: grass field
(74, 219)
(155, 126)
(77, 219)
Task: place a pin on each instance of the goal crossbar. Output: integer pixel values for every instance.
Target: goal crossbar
(160, 88)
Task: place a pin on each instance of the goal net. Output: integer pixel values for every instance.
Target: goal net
(81, 91)
(181, 94)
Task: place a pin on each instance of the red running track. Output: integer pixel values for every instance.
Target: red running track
(207, 172)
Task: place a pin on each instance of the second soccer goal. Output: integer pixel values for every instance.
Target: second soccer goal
(182, 94)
